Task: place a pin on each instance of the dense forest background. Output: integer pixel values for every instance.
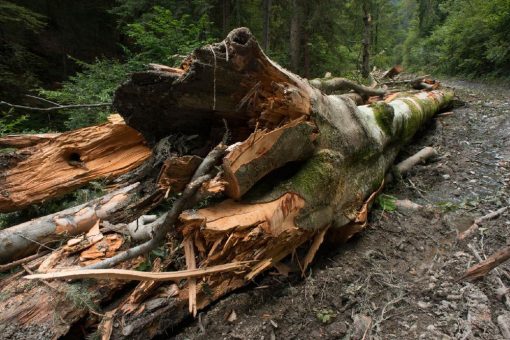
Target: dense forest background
(73, 52)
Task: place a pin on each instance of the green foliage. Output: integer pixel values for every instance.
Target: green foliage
(10, 124)
(17, 63)
(96, 83)
(160, 252)
(472, 40)
(447, 206)
(386, 202)
(81, 296)
(158, 37)
(163, 38)
(12, 13)
(325, 316)
(468, 37)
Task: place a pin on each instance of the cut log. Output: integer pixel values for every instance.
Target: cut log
(343, 155)
(68, 161)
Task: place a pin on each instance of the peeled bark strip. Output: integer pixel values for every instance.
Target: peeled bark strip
(68, 161)
(24, 239)
(330, 186)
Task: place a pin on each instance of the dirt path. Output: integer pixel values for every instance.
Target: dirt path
(398, 280)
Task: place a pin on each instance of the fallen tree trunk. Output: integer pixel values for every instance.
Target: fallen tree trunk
(302, 162)
(61, 164)
(342, 85)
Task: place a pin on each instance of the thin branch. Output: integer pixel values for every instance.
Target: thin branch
(53, 108)
(6, 267)
(186, 200)
(44, 100)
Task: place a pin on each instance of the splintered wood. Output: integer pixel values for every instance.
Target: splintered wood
(67, 161)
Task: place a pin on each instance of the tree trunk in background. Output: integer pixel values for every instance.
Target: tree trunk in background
(267, 19)
(367, 30)
(226, 16)
(238, 12)
(306, 55)
(295, 38)
(375, 36)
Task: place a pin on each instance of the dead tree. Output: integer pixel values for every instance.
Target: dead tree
(302, 166)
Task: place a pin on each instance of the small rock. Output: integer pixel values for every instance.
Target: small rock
(446, 176)
(337, 329)
(424, 305)
(504, 324)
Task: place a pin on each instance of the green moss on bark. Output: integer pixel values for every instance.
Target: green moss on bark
(384, 115)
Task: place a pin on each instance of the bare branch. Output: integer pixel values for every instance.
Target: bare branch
(53, 108)
(186, 200)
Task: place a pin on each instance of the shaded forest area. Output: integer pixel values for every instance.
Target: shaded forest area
(74, 52)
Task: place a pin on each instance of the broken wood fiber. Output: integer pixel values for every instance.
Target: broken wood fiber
(67, 161)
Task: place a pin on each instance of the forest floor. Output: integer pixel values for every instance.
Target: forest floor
(400, 277)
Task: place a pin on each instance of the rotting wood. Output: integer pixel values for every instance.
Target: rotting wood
(502, 292)
(68, 161)
(354, 148)
(186, 200)
(14, 264)
(262, 152)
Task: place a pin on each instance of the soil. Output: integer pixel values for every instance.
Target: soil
(400, 277)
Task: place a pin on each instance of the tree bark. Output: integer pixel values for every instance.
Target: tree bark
(266, 8)
(61, 164)
(313, 161)
(367, 38)
(295, 35)
(225, 15)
